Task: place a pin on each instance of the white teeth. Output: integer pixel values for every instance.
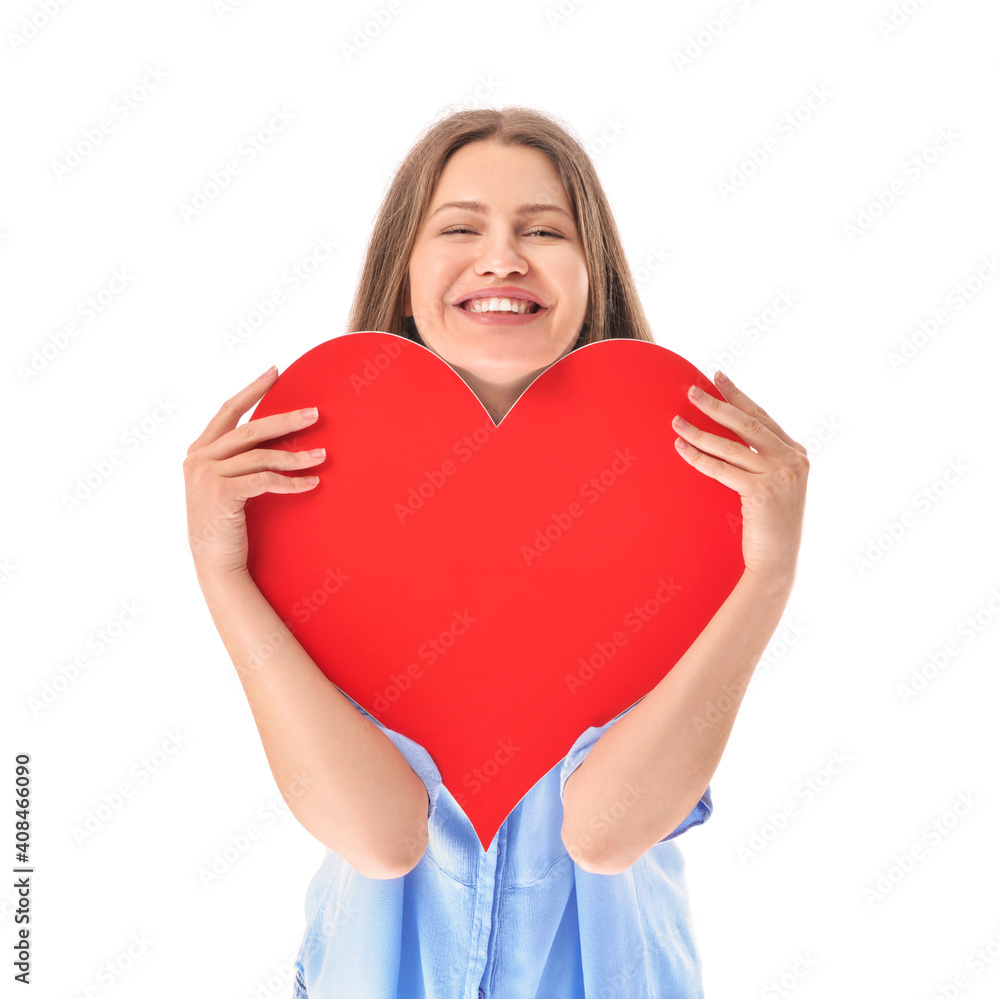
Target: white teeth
(518, 305)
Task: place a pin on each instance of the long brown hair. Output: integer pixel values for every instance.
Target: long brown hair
(614, 308)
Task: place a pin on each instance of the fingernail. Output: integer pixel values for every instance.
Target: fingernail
(721, 376)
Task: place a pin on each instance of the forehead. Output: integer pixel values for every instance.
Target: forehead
(501, 177)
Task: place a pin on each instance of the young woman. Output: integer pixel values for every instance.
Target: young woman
(491, 209)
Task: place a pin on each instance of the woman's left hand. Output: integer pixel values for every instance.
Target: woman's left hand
(771, 479)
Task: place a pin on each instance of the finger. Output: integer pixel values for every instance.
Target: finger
(264, 459)
(734, 452)
(750, 430)
(270, 481)
(739, 398)
(253, 432)
(233, 408)
(723, 471)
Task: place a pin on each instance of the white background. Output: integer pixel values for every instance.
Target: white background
(803, 902)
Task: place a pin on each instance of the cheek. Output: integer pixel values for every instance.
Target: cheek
(434, 279)
(573, 267)
(577, 283)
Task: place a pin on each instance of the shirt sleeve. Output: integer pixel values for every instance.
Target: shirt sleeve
(419, 759)
(578, 753)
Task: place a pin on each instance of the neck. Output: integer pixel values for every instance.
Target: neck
(496, 397)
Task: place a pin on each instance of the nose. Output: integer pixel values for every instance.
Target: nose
(501, 255)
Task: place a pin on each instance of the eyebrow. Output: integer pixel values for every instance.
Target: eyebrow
(534, 208)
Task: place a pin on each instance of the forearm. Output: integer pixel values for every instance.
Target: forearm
(657, 760)
(341, 776)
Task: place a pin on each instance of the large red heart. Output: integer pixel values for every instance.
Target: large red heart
(492, 591)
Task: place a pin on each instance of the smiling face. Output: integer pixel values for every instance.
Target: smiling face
(514, 237)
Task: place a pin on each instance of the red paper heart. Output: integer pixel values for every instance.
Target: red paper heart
(492, 591)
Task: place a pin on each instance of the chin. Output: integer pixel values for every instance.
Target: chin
(510, 369)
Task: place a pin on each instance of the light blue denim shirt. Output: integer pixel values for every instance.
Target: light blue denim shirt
(518, 921)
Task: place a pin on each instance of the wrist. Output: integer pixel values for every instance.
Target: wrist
(775, 580)
(214, 580)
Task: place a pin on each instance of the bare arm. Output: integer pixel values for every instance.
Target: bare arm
(647, 772)
(341, 776)
(649, 769)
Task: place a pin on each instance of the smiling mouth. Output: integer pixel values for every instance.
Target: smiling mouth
(505, 305)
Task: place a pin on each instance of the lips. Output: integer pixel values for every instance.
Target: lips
(530, 307)
(501, 292)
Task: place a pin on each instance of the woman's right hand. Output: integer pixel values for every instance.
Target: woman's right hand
(226, 466)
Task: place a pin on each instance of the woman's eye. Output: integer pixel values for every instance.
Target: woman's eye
(533, 232)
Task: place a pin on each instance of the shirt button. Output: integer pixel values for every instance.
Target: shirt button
(482, 994)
